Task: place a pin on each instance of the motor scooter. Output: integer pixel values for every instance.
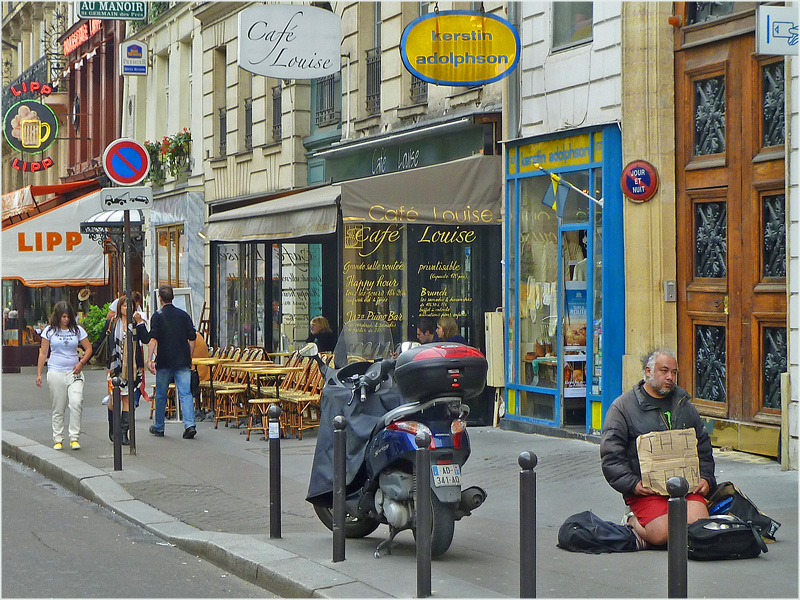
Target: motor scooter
(386, 402)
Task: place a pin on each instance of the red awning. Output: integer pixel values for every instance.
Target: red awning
(21, 202)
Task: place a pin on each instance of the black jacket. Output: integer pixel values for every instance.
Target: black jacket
(632, 415)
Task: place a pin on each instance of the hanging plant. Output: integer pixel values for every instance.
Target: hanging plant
(175, 150)
(156, 175)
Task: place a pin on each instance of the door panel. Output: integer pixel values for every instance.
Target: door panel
(731, 214)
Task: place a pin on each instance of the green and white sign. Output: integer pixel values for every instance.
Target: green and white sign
(128, 11)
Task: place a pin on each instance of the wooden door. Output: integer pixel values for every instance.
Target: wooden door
(731, 215)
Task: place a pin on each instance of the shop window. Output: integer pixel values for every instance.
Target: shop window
(596, 368)
(240, 294)
(572, 24)
(171, 268)
(538, 289)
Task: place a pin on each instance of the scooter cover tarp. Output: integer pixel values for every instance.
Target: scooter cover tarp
(362, 418)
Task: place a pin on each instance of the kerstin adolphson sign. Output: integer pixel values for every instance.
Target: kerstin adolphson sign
(289, 41)
(460, 47)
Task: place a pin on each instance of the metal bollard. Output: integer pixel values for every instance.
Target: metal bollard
(424, 516)
(677, 542)
(339, 481)
(274, 413)
(527, 525)
(116, 420)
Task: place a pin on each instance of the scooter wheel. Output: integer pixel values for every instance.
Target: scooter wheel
(443, 526)
(354, 527)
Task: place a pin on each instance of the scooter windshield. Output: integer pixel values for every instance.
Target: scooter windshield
(363, 340)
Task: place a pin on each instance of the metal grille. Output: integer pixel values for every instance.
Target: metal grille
(709, 116)
(223, 131)
(277, 112)
(248, 123)
(774, 240)
(774, 121)
(374, 81)
(38, 71)
(327, 111)
(419, 90)
(710, 239)
(710, 363)
(775, 363)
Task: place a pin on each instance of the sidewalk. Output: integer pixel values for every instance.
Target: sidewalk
(210, 497)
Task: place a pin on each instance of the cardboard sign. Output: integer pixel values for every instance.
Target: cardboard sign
(665, 454)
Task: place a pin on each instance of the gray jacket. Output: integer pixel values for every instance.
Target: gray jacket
(631, 415)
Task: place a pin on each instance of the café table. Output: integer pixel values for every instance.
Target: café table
(211, 362)
(259, 403)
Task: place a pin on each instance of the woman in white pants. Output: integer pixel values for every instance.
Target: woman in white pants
(61, 339)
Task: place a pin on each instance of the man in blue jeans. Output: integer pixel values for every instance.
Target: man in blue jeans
(171, 342)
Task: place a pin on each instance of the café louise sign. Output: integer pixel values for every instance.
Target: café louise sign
(460, 47)
(289, 41)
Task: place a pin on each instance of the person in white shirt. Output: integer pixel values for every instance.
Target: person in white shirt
(61, 339)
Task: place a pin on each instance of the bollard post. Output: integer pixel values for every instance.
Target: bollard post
(339, 484)
(116, 420)
(527, 525)
(424, 514)
(677, 542)
(274, 413)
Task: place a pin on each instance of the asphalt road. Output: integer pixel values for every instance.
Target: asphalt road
(58, 545)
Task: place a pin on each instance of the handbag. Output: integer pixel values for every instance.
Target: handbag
(723, 537)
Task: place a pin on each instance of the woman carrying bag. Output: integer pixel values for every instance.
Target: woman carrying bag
(117, 332)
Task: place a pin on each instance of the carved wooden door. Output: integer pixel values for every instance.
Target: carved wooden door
(731, 215)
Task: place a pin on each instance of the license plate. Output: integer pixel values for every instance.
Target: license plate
(446, 475)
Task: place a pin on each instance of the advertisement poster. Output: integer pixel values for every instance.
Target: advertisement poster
(575, 325)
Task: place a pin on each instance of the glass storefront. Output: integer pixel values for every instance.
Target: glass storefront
(400, 273)
(265, 294)
(558, 288)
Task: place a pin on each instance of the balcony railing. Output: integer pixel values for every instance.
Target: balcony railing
(419, 90)
(248, 123)
(327, 111)
(374, 81)
(277, 112)
(155, 11)
(223, 131)
(38, 71)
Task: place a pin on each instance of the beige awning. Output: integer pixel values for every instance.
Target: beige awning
(312, 212)
(461, 192)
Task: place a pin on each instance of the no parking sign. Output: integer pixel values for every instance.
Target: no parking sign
(639, 180)
(126, 161)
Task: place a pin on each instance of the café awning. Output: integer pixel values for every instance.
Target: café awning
(48, 248)
(310, 212)
(467, 191)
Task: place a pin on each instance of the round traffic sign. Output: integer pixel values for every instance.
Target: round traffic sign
(126, 161)
(639, 180)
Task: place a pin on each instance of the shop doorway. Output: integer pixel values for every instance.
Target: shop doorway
(731, 215)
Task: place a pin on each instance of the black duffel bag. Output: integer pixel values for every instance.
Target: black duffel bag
(586, 532)
(724, 537)
(728, 499)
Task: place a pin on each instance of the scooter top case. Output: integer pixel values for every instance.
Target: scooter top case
(443, 369)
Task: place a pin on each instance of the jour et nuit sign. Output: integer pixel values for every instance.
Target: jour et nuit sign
(460, 47)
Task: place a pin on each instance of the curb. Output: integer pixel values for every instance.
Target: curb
(265, 565)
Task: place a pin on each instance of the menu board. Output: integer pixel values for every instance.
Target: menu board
(442, 289)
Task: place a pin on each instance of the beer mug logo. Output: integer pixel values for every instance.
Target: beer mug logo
(30, 126)
(34, 133)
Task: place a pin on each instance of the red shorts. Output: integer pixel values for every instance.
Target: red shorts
(647, 508)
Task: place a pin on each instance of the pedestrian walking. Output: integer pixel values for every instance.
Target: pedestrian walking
(117, 331)
(170, 345)
(60, 339)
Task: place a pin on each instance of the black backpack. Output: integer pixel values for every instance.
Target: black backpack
(724, 537)
(586, 532)
(728, 499)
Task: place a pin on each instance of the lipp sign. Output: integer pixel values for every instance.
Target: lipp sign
(460, 48)
(289, 41)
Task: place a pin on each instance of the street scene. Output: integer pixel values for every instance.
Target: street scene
(292, 290)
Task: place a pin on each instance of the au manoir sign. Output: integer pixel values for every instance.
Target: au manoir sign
(460, 47)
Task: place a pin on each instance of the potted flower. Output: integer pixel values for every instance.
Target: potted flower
(175, 152)
(156, 176)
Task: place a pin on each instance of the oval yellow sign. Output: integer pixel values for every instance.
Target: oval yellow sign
(460, 47)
